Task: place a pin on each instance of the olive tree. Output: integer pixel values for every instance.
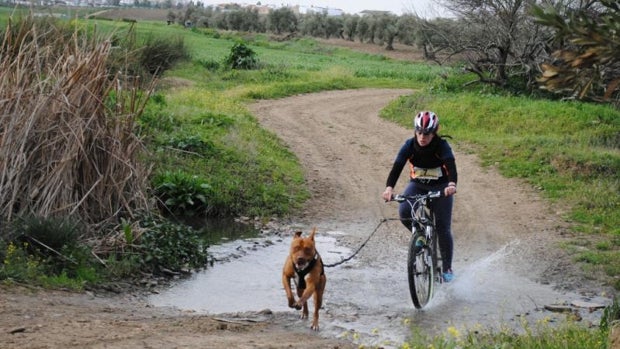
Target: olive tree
(350, 26)
(282, 20)
(586, 60)
(499, 39)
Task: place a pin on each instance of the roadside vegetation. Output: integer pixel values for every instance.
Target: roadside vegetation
(101, 170)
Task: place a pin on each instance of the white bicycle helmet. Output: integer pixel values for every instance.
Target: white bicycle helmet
(426, 122)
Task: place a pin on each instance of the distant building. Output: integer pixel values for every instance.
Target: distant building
(374, 13)
(303, 10)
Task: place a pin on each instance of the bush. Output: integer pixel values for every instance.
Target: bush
(160, 54)
(241, 57)
(181, 194)
(610, 314)
(46, 234)
(167, 245)
(46, 251)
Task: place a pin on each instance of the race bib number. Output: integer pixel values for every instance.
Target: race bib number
(426, 173)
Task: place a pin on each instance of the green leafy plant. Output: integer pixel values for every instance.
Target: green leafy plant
(193, 144)
(167, 245)
(241, 57)
(47, 234)
(17, 264)
(182, 194)
(610, 314)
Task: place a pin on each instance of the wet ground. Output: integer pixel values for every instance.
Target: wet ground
(369, 303)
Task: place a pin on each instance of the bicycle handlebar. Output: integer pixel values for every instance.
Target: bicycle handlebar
(429, 195)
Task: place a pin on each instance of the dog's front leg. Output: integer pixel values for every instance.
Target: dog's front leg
(286, 282)
(304, 295)
(318, 302)
(301, 304)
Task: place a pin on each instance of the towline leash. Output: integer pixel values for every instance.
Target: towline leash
(362, 245)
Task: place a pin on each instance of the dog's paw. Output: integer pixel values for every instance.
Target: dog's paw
(295, 306)
(292, 304)
(315, 326)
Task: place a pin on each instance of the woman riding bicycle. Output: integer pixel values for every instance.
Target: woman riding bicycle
(432, 167)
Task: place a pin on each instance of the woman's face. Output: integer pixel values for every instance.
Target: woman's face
(424, 139)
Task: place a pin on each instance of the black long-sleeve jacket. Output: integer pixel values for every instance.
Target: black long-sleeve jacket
(433, 164)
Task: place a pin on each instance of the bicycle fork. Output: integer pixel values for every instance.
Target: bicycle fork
(424, 240)
(421, 244)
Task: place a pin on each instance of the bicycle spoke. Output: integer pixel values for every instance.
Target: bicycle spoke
(421, 275)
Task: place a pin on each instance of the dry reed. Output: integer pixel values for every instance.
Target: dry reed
(67, 141)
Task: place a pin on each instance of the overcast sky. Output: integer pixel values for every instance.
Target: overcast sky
(423, 8)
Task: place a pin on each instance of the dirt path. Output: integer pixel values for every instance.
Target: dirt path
(346, 151)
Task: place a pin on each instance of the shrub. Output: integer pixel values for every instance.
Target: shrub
(17, 264)
(46, 245)
(46, 234)
(208, 64)
(181, 194)
(241, 57)
(167, 245)
(610, 314)
(160, 54)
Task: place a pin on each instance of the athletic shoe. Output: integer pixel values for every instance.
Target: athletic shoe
(448, 276)
(420, 242)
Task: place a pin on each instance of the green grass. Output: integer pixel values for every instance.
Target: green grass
(541, 335)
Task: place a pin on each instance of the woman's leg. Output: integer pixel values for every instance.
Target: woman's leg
(443, 221)
(404, 209)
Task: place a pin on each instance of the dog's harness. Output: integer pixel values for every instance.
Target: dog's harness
(300, 280)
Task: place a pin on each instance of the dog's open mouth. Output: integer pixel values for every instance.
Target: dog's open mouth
(301, 264)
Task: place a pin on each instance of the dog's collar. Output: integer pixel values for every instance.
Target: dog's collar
(309, 267)
(301, 274)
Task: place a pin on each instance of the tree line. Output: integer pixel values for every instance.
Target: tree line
(567, 47)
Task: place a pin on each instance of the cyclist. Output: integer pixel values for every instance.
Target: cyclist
(432, 167)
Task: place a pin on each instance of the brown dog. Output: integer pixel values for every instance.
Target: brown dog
(305, 266)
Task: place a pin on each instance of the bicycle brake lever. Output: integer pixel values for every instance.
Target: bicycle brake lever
(435, 194)
(397, 197)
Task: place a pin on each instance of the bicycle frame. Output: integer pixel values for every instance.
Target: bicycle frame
(422, 262)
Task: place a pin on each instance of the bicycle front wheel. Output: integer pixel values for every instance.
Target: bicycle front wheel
(420, 272)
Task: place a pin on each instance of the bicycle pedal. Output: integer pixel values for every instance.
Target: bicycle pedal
(421, 241)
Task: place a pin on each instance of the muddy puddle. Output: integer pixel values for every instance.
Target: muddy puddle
(369, 302)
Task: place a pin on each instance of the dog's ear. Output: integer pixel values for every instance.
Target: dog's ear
(312, 233)
(297, 234)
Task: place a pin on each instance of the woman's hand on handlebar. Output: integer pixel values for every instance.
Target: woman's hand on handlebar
(450, 189)
(387, 194)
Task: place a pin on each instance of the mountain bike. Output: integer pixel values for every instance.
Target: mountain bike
(423, 268)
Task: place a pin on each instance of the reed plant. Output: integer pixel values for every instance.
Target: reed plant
(70, 151)
(66, 133)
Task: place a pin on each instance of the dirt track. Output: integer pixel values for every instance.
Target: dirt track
(346, 151)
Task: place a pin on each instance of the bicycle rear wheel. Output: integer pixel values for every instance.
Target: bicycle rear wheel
(420, 271)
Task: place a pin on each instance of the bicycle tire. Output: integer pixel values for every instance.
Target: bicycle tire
(420, 272)
(436, 255)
